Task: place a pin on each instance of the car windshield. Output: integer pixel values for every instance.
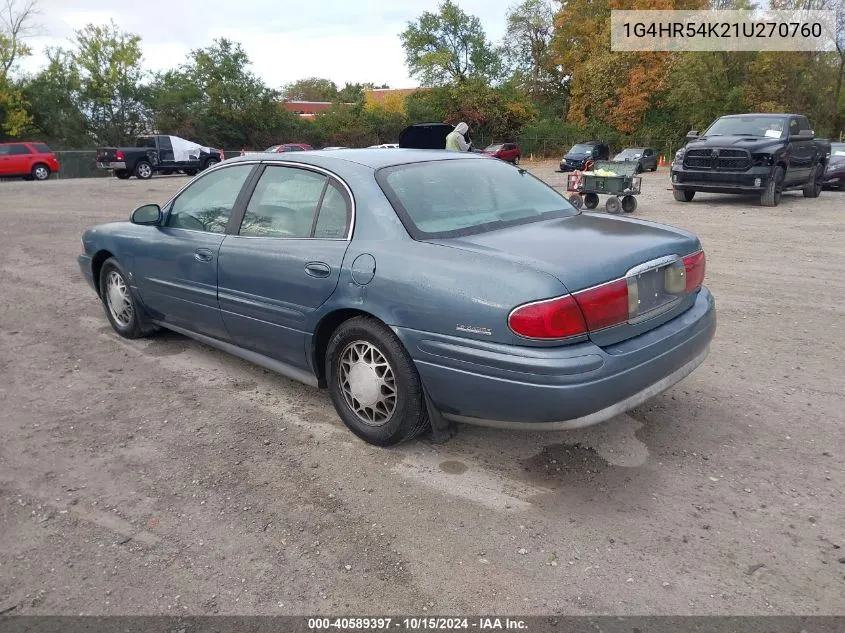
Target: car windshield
(273, 148)
(629, 153)
(837, 149)
(493, 148)
(451, 198)
(581, 149)
(771, 126)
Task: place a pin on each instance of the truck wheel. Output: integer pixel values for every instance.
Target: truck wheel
(813, 188)
(211, 162)
(123, 174)
(143, 170)
(683, 195)
(771, 196)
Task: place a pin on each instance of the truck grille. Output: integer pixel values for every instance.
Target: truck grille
(725, 160)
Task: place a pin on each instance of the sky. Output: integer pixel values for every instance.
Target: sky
(342, 40)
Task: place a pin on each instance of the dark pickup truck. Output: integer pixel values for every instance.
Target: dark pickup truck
(157, 154)
(762, 154)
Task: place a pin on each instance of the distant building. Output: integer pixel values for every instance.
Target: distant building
(307, 109)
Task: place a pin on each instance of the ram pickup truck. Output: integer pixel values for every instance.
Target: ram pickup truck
(761, 154)
(157, 154)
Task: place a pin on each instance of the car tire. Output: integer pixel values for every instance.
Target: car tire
(516, 160)
(683, 195)
(373, 383)
(771, 195)
(813, 188)
(211, 162)
(123, 174)
(190, 172)
(122, 310)
(143, 170)
(40, 172)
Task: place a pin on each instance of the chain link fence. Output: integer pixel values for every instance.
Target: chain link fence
(79, 164)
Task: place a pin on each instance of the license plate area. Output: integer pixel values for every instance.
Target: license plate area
(654, 288)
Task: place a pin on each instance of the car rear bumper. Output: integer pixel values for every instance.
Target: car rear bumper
(558, 388)
(112, 165)
(754, 180)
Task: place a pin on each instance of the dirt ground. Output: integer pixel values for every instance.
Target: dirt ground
(162, 477)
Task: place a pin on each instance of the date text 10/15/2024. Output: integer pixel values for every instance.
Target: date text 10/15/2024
(417, 624)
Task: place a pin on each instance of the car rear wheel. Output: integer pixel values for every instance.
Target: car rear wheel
(143, 170)
(771, 195)
(683, 195)
(516, 160)
(40, 172)
(374, 384)
(122, 311)
(813, 188)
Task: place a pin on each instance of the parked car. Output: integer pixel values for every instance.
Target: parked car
(28, 160)
(762, 154)
(577, 157)
(508, 152)
(158, 153)
(487, 299)
(334, 147)
(290, 147)
(645, 157)
(834, 175)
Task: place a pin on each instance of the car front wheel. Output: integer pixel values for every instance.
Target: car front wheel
(374, 384)
(122, 310)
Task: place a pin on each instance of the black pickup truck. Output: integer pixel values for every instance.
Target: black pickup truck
(157, 154)
(761, 154)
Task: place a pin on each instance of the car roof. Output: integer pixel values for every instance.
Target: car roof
(368, 157)
(760, 114)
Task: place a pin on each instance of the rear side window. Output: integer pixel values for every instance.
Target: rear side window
(451, 198)
(284, 203)
(42, 148)
(17, 149)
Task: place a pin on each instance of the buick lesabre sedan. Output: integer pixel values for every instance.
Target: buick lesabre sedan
(420, 287)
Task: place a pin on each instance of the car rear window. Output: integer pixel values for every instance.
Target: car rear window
(452, 198)
(41, 148)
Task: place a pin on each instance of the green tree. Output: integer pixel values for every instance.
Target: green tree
(449, 46)
(54, 97)
(15, 24)
(311, 89)
(215, 99)
(528, 51)
(111, 95)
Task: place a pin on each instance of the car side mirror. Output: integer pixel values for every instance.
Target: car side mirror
(147, 215)
(692, 134)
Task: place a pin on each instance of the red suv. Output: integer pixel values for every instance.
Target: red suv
(32, 161)
(508, 152)
(290, 147)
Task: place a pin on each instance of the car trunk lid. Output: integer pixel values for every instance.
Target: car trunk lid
(588, 250)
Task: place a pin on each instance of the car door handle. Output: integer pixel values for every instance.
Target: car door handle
(318, 269)
(203, 255)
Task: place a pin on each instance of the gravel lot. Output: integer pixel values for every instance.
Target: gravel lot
(163, 477)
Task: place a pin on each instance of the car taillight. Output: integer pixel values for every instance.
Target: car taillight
(694, 266)
(549, 319)
(604, 305)
(601, 306)
(119, 155)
